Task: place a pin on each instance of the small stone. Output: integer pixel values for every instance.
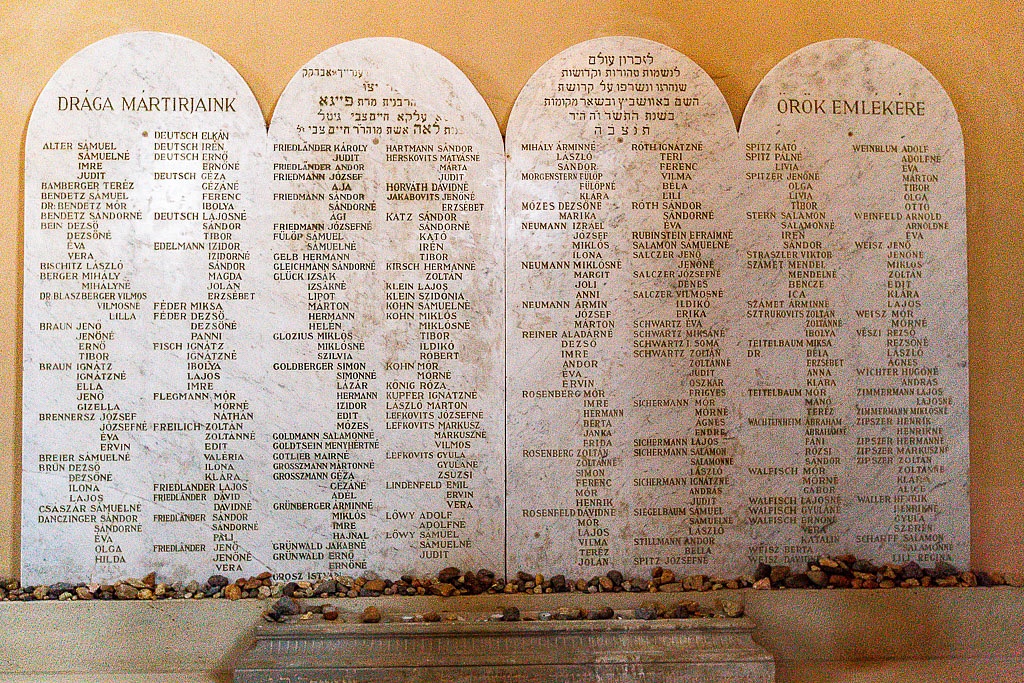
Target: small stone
(370, 615)
(146, 594)
(264, 576)
(927, 580)
(763, 571)
(910, 583)
(431, 617)
(729, 608)
(912, 570)
(887, 583)
(694, 583)
(870, 584)
(558, 583)
(764, 584)
(264, 592)
(126, 591)
(656, 572)
(65, 596)
(286, 606)
(324, 588)
(827, 563)
(944, 569)
(779, 574)
(448, 575)
(675, 587)
(510, 613)
(445, 590)
(798, 580)
(606, 584)
(600, 613)
(217, 581)
(818, 578)
(161, 590)
(569, 614)
(646, 612)
(839, 581)
(581, 585)
(374, 586)
(329, 612)
(41, 592)
(947, 582)
(83, 593)
(864, 566)
(233, 592)
(150, 579)
(192, 587)
(667, 576)
(615, 576)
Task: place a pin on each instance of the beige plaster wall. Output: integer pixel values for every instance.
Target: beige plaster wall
(974, 47)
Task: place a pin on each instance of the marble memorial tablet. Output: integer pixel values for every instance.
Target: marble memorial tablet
(386, 187)
(287, 352)
(139, 191)
(619, 451)
(855, 353)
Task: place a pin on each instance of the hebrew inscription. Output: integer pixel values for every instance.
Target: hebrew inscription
(619, 355)
(387, 203)
(286, 351)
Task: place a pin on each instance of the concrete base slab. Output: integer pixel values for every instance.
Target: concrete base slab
(480, 651)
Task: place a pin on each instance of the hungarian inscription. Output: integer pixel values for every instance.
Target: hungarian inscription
(619, 348)
(287, 352)
(138, 433)
(387, 203)
(856, 298)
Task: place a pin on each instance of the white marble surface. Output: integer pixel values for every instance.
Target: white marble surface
(831, 415)
(129, 343)
(394, 263)
(619, 179)
(857, 217)
(286, 352)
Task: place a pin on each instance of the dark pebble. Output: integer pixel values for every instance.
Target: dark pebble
(217, 581)
(763, 571)
(329, 612)
(944, 570)
(912, 570)
(326, 588)
(289, 589)
(558, 584)
(370, 615)
(864, 566)
(797, 581)
(432, 617)
(510, 613)
(646, 613)
(287, 606)
(448, 575)
(600, 613)
(523, 577)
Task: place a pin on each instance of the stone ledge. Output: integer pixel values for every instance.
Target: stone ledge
(205, 637)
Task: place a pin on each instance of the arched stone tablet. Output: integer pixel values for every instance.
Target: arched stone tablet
(139, 191)
(857, 295)
(386, 186)
(619, 278)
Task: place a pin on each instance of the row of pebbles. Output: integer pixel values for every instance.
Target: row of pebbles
(290, 610)
(844, 571)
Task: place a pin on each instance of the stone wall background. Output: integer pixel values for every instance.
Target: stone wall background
(972, 48)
